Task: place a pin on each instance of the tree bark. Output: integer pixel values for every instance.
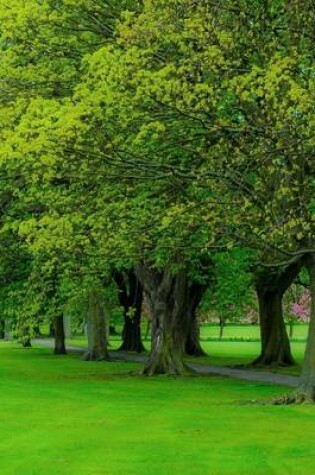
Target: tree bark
(60, 347)
(275, 344)
(167, 296)
(96, 329)
(192, 344)
(306, 389)
(130, 297)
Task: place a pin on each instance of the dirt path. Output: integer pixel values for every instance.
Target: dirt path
(247, 374)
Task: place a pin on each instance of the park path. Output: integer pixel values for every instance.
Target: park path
(237, 373)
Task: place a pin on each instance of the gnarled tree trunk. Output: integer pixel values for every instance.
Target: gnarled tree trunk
(167, 295)
(60, 347)
(192, 344)
(275, 344)
(96, 329)
(130, 297)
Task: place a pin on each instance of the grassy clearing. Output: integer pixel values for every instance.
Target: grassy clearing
(246, 331)
(61, 415)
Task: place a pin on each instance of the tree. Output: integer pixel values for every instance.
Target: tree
(196, 292)
(166, 105)
(167, 295)
(270, 287)
(299, 310)
(96, 328)
(130, 297)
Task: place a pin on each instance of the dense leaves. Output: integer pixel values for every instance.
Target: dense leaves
(158, 134)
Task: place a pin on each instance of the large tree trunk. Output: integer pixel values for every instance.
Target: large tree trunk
(306, 389)
(275, 344)
(96, 329)
(130, 297)
(167, 296)
(60, 347)
(192, 344)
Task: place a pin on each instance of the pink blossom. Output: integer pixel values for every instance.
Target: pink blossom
(301, 308)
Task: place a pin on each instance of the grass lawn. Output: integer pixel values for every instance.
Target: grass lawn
(61, 415)
(246, 331)
(230, 353)
(225, 352)
(81, 341)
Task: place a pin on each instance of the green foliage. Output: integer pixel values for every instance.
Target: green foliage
(231, 295)
(158, 131)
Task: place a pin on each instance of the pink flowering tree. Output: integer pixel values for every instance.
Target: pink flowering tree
(298, 308)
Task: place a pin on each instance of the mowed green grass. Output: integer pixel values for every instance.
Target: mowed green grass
(231, 353)
(246, 331)
(225, 352)
(61, 415)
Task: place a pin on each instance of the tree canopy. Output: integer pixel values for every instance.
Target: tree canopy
(155, 136)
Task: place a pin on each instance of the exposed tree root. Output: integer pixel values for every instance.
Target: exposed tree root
(264, 362)
(297, 397)
(294, 398)
(88, 356)
(168, 369)
(300, 396)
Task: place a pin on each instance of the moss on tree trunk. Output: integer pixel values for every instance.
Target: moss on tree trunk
(275, 344)
(167, 295)
(96, 329)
